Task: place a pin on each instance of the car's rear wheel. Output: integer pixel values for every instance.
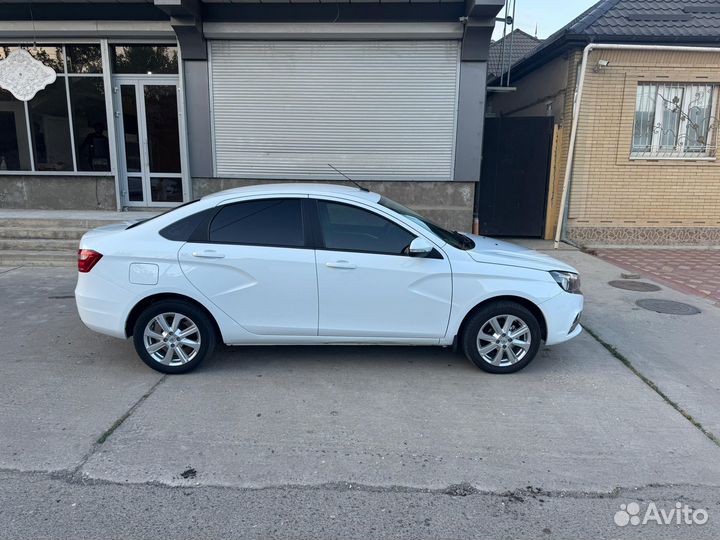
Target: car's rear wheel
(502, 337)
(173, 336)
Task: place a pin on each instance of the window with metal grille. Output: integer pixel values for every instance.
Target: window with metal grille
(674, 121)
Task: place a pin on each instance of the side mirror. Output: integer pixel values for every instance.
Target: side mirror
(420, 247)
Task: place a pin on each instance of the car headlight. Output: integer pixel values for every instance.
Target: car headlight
(569, 281)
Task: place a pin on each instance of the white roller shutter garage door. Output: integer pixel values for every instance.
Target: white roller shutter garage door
(377, 110)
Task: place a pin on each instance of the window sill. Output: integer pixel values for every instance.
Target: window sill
(56, 173)
(672, 158)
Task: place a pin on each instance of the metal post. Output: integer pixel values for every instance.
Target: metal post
(110, 119)
(512, 40)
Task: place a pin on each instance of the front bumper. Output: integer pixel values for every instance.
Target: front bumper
(562, 316)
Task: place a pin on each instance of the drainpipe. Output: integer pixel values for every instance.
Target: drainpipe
(476, 209)
(576, 111)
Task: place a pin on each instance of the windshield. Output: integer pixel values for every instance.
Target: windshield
(454, 238)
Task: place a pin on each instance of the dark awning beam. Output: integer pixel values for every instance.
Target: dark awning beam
(483, 9)
(186, 20)
(180, 8)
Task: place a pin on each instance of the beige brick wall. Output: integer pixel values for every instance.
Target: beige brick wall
(611, 190)
(557, 176)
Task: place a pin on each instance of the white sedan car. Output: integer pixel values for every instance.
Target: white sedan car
(308, 264)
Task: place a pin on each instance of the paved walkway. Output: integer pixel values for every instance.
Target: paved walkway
(690, 271)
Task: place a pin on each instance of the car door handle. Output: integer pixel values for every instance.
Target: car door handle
(341, 264)
(208, 254)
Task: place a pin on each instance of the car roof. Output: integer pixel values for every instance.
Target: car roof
(295, 188)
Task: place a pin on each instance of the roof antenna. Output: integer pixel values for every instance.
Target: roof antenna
(348, 178)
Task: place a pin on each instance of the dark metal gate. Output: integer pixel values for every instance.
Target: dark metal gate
(514, 177)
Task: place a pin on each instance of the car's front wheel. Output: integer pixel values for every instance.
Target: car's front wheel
(502, 337)
(173, 336)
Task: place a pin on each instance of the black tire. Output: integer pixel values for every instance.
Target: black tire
(481, 320)
(205, 331)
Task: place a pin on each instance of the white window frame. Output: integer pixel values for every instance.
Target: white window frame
(679, 153)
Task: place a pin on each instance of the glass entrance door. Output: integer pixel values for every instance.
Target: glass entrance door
(149, 148)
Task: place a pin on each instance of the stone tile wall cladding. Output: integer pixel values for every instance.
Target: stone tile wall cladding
(642, 236)
(449, 204)
(616, 200)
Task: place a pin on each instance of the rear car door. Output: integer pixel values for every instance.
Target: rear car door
(256, 264)
(368, 285)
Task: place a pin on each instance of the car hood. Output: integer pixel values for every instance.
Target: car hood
(492, 251)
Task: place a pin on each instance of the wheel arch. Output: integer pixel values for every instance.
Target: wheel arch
(149, 300)
(528, 304)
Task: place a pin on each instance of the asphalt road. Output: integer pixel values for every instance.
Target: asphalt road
(347, 442)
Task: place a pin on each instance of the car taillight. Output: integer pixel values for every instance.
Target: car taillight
(87, 258)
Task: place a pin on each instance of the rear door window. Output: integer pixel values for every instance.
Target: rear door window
(265, 222)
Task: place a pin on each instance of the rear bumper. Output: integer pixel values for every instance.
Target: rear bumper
(562, 316)
(105, 314)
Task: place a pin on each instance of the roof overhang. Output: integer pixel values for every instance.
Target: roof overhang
(572, 42)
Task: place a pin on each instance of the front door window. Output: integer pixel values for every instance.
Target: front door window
(150, 141)
(349, 228)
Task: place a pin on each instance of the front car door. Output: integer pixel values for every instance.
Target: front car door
(257, 265)
(369, 286)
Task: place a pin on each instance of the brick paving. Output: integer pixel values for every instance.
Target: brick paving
(691, 271)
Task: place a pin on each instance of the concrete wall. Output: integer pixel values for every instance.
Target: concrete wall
(51, 192)
(616, 200)
(447, 203)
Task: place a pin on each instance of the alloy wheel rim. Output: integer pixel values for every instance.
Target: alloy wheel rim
(172, 339)
(504, 340)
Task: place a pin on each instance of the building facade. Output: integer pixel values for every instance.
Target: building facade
(645, 165)
(157, 103)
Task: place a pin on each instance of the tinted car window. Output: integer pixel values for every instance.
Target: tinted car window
(182, 230)
(268, 222)
(349, 228)
(454, 238)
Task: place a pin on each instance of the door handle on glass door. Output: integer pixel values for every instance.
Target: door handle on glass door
(208, 254)
(341, 264)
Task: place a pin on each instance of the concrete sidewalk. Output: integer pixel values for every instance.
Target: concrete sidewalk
(353, 442)
(679, 353)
